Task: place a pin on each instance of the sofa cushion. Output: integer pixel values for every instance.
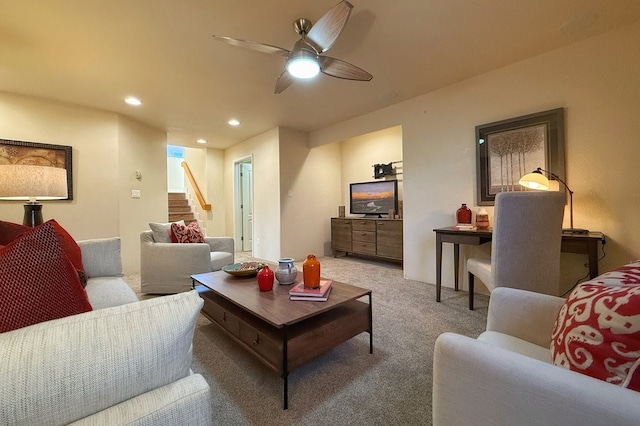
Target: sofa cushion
(597, 333)
(10, 231)
(38, 281)
(186, 234)
(162, 231)
(60, 371)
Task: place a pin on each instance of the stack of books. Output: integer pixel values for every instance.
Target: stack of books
(320, 294)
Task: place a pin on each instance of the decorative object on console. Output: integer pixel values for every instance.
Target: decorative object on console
(311, 272)
(340, 211)
(482, 219)
(265, 279)
(32, 183)
(286, 271)
(463, 215)
(536, 180)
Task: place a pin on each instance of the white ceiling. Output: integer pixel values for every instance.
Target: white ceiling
(94, 53)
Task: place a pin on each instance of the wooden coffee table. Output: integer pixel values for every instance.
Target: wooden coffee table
(281, 333)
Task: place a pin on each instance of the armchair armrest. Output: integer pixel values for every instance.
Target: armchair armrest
(523, 314)
(475, 383)
(221, 244)
(101, 257)
(167, 267)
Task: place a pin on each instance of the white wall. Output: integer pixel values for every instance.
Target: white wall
(595, 80)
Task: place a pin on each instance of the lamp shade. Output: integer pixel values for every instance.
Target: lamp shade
(302, 62)
(535, 180)
(26, 182)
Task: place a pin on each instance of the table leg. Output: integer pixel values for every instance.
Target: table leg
(592, 251)
(285, 370)
(370, 325)
(456, 264)
(438, 266)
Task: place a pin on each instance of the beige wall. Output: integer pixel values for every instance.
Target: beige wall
(216, 223)
(596, 81)
(266, 189)
(107, 149)
(309, 195)
(359, 154)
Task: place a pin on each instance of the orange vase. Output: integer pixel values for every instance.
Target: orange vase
(311, 272)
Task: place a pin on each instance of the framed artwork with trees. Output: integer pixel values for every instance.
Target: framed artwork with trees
(508, 149)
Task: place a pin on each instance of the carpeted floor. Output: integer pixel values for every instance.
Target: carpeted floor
(346, 386)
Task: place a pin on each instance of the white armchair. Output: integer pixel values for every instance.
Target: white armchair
(167, 267)
(505, 377)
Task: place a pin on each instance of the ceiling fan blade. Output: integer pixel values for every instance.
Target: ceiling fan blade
(253, 45)
(324, 33)
(283, 82)
(341, 69)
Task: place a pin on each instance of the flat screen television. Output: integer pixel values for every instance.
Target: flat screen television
(373, 198)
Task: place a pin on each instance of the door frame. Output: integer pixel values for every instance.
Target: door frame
(238, 189)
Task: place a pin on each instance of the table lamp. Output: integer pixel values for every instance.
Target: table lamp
(536, 180)
(32, 183)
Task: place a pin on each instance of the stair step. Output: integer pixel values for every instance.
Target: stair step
(181, 216)
(179, 203)
(177, 196)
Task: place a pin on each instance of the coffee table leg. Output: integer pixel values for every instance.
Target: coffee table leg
(370, 325)
(285, 370)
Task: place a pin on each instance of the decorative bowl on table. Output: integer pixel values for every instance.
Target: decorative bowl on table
(243, 269)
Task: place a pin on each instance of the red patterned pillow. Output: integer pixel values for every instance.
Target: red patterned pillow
(597, 333)
(10, 231)
(38, 281)
(186, 234)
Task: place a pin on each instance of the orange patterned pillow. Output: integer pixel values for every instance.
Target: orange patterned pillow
(597, 333)
(186, 234)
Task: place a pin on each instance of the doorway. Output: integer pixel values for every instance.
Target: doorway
(243, 204)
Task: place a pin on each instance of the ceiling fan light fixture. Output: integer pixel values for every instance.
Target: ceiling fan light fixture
(303, 64)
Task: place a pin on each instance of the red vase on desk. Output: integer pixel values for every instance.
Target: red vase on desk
(463, 215)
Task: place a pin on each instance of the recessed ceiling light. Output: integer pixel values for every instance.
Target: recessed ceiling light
(201, 141)
(133, 101)
(233, 122)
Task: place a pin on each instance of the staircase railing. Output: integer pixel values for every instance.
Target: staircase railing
(196, 189)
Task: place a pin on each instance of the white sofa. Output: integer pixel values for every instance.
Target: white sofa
(167, 267)
(125, 362)
(505, 376)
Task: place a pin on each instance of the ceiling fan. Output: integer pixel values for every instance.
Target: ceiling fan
(305, 60)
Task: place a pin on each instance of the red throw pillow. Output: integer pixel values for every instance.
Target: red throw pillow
(38, 281)
(10, 231)
(597, 333)
(186, 234)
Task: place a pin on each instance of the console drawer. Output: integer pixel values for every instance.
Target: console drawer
(363, 225)
(364, 248)
(363, 236)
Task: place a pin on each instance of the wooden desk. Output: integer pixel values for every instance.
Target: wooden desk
(571, 243)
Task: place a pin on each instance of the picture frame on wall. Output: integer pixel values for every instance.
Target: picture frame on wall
(508, 149)
(38, 154)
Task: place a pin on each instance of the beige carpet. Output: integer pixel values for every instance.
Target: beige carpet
(346, 386)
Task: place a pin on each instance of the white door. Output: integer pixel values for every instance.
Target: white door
(243, 204)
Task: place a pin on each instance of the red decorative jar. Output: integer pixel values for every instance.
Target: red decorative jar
(311, 272)
(265, 279)
(463, 215)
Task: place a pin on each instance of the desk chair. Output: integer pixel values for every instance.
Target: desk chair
(525, 248)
